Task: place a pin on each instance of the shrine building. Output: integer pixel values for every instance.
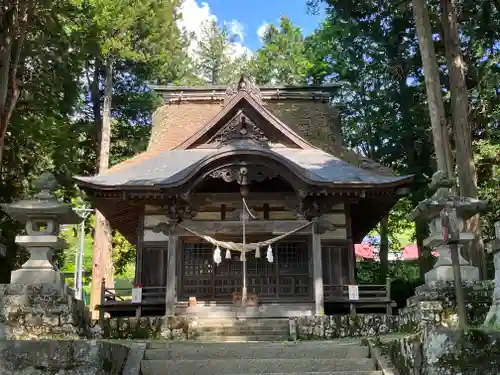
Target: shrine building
(245, 187)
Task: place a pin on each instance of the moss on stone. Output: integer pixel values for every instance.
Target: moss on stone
(447, 352)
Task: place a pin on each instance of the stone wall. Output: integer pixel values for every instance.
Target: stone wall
(62, 357)
(306, 328)
(434, 305)
(337, 326)
(148, 327)
(446, 352)
(42, 312)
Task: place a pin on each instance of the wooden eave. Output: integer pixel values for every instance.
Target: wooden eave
(123, 209)
(312, 188)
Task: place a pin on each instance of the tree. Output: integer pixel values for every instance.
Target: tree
(372, 50)
(439, 125)
(41, 134)
(134, 31)
(463, 132)
(282, 59)
(214, 59)
(17, 17)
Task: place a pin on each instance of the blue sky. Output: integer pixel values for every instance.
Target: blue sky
(245, 17)
(254, 13)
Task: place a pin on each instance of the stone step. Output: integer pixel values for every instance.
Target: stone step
(374, 372)
(242, 330)
(261, 351)
(241, 338)
(254, 366)
(225, 322)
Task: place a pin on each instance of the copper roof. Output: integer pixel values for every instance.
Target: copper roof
(188, 110)
(171, 168)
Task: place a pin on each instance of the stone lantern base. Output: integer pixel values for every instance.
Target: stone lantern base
(39, 268)
(445, 273)
(443, 269)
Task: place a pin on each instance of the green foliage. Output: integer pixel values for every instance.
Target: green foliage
(369, 47)
(367, 272)
(53, 126)
(215, 62)
(283, 58)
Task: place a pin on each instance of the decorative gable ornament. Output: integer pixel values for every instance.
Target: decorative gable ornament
(246, 85)
(240, 127)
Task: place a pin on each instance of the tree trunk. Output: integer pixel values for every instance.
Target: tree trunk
(96, 109)
(425, 259)
(15, 22)
(463, 133)
(101, 257)
(384, 249)
(433, 86)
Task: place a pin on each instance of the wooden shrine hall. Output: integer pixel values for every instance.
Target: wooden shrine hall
(245, 196)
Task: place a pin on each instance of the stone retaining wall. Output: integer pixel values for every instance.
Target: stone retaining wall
(40, 311)
(446, 352)
(337, 326)
(307, 328)
(62, 357)
(434, 305)
(148, 327)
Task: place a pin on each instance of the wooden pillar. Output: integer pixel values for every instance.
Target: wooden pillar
(317, 271)
(138, 253)
(351, 255)
(170, 294)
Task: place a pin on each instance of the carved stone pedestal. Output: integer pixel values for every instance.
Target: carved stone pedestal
(445, 273)
(443, 269)
(39, 268)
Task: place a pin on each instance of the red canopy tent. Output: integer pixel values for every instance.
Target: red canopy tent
(364, 250)
(367, 251)
(410, 252)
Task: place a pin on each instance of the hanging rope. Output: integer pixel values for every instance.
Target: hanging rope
(239, 246)
(248, 210)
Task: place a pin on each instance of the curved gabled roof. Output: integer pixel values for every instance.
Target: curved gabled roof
(176, 167)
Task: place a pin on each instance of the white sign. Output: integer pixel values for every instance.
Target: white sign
(353, 292)
(136, 295)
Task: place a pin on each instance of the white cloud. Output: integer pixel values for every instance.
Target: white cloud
(194, 14)
(261, 31)
(236, 29)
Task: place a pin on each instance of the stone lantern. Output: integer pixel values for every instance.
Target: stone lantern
(493, 317)
(42, 216)
(430, 209)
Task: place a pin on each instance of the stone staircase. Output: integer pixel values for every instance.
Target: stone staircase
(225, 329)
(276, 358)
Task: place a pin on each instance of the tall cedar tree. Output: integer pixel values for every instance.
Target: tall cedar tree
(125, 29)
